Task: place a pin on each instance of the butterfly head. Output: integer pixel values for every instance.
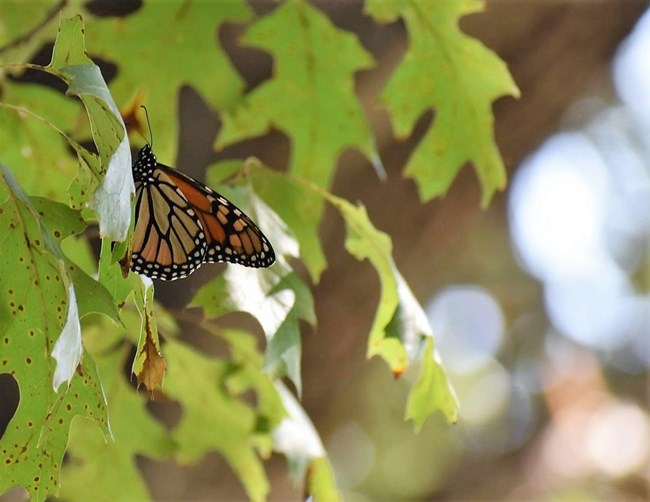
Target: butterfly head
(146, 153)
(144, 164)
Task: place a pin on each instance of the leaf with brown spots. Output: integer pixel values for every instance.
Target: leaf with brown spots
(62, 222)
(33, 311)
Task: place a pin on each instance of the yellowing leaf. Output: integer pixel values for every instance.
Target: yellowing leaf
(363, 240)
(458, 78)
(432, 391)
(148, 365)
(400, 326)
(320, 480)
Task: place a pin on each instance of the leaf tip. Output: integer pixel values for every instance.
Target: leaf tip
(398, 371)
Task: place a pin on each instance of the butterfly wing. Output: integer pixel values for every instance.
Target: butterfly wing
(181, 224)
(168, 241)
(230, 234)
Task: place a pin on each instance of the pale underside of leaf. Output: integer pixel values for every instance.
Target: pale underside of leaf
(68, 348)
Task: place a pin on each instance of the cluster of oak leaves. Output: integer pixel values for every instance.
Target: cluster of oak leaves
(50, 288)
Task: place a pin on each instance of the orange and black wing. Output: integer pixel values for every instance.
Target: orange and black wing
(168, 242)
(181, 224)
(229, 233)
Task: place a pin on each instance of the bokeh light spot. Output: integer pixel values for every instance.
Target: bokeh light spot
(468, 325)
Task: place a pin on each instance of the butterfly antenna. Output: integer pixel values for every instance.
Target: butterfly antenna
(148, 125)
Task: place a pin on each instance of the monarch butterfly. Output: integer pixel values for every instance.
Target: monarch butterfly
(180, 224)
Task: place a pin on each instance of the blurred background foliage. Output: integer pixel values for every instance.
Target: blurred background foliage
(539, 304)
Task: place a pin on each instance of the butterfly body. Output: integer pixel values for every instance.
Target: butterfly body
(181, 224)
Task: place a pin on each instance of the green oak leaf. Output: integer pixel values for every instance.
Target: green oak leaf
(63, 222)
(170, 44)
(33, 309)
(297, 439)
(111, 183)
(108, 471)
(214, 416)
(111, 277)
(38, 156)
(92, 296)
(277, 301)
(284, 348)
(60, 220)
(277, 297)
(310, 98)
(311, 95)
(400, 328)
(431, 391)
(458, 78)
